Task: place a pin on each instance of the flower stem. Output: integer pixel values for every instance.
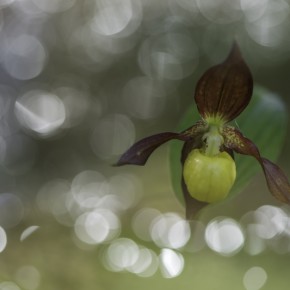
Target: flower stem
(213, 140)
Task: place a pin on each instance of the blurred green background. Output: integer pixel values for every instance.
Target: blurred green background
(81, 81)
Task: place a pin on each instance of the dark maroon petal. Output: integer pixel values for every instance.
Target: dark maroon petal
(192, 206)
(225, 89)
(140, 151)
(229, 151)
(189, 145)
(277, 181)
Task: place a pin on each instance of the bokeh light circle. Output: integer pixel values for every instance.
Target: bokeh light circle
(27, 232)
(170, 230)
(122, 254)
(220, 11)
(142, 222)
(168, 57)
(76, 104)
(41, 112)
(172, 263)
(54, 6)
(8, 285)
(3, 240)
(88, 188)
(28, 277)
(146, 265)
(255, 278)
(120, 11)
(224, 236)
(25, 57)
(97, 226)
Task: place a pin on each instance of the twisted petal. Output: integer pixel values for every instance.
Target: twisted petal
(277, 181)
(140, 151)
(225, 89)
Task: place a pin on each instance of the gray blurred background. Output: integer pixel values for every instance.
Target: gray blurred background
(81, 81)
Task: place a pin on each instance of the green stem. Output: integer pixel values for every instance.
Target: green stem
(214, 140)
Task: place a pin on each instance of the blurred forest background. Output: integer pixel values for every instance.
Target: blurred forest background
(81, 81)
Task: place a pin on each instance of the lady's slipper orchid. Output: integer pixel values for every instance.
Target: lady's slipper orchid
(209, 172)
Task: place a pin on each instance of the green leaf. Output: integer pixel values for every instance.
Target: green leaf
(263, 121)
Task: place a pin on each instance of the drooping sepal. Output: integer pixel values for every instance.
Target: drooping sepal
(277, 181)
(225, 90)
(139, 153)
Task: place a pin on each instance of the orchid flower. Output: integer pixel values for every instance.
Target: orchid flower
(207, 157)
